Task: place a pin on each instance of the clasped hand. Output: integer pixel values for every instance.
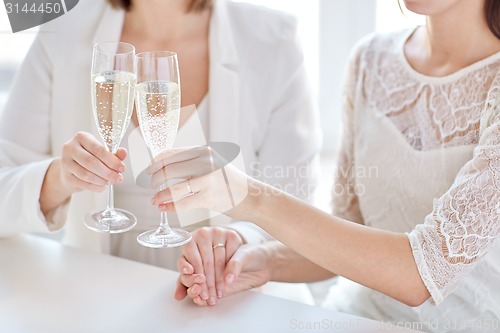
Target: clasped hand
(216, 264)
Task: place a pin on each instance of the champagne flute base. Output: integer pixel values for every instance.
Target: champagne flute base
(174, 238)
(120, 221)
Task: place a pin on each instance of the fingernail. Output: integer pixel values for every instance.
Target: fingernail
(121, 168)
(185, 270)
(204, 295)
(229, 278)
(212, 301)
(119, 180)
(219, 293)
(199, 279)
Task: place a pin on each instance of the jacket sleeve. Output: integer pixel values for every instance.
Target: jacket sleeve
(25, 152)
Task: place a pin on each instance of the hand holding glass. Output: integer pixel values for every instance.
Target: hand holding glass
(158, 110)
(113, 86)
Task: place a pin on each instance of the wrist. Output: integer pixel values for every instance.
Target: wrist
(54, 189)
(246, 209)
(271, 260)
(64, 189)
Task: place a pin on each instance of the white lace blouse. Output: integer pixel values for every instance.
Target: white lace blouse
(421, 155)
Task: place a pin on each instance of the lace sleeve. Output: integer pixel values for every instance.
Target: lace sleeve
(465, 221)
(345, 202)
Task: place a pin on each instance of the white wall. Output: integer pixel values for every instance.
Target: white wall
(342, 24)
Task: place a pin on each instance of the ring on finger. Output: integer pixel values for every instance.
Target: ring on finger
(218, 245)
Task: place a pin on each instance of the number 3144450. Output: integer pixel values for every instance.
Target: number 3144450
(47, 8)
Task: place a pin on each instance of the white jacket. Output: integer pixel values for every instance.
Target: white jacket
(259, 99)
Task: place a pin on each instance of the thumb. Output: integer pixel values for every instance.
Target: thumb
(235, 265)
(180, 291)
(121, 153)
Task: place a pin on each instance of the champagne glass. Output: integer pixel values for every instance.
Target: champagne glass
(113, 85)
(158, 109)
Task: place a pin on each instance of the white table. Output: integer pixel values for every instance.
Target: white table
(47, 287)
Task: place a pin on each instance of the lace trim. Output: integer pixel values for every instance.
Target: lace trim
(423, 268)
(468, 229)
(431, 115)
(465, 221)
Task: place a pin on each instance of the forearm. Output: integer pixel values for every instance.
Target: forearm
(286, 265)
(53, 192)
(378, 259)
(249, 232)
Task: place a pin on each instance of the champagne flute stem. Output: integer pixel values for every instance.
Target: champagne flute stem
(111, 198)
(110, 206)
(109, 212)
(164, 228)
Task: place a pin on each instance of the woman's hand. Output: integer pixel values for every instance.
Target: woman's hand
(86, 164)
(246, 268)
(206, 256)
(212, 182)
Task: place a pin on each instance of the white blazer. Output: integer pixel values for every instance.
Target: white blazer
(259, 99)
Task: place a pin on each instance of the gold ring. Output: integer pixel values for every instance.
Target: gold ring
(218, 245)
(190, 191)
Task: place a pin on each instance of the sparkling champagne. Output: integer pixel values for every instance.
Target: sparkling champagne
(158, 110)
(113, 102)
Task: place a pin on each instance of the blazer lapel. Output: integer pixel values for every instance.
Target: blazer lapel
(110, 26)
(224, 79)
